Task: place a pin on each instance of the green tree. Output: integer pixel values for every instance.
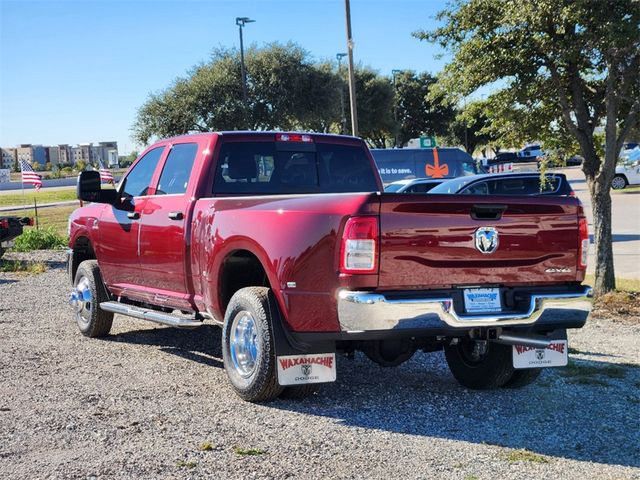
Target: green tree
(81, 165)
(416, 111)
(374, 95)
(285, 91)
(469, 128)
(16, 165)
(565, 68)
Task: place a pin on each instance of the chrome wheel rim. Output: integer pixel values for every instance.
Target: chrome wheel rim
(617, 183)
(82, 302)
(243, 343)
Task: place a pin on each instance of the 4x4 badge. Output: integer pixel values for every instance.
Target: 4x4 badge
(486, 239)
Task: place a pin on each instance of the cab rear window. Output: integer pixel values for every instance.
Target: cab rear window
(258, 168)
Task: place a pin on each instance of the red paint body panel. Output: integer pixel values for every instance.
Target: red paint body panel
(428, 242)
(294, 237)
(425, 241)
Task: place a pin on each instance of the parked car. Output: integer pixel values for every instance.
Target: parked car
(415, 185)
(511, 157)
(10, 228)
(507, 184)
(627, 169)
(531, 151)
(287, 242)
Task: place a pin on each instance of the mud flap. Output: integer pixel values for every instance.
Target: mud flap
(555, 355)
(300, 363)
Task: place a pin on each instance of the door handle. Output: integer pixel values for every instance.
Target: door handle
(176, 215)
(133, 215)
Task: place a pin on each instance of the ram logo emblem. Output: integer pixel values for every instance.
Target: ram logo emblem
(486, 239)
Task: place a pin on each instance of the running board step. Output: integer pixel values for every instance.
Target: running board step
(149, 314)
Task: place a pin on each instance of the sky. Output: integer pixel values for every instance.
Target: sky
(77, 71)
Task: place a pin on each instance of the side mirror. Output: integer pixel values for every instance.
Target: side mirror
(89, 189)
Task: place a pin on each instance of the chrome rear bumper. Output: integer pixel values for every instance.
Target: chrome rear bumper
(371, 311)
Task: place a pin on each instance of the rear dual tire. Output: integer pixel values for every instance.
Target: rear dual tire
(493, 369)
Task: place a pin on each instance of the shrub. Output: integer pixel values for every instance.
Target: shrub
(43, 239)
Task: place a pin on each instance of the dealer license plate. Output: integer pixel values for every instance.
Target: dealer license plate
(301, 369)
(555, 355)
(482, 300)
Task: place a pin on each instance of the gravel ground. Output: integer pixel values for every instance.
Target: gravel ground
(140, 404)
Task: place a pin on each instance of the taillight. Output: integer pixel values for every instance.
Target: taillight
(293, 137)
(359, 249)
(583, 251)
(4, 223)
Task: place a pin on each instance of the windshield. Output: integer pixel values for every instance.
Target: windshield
(394, 187)
(451, 186)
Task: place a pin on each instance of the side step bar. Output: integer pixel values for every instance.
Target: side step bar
(148, 314)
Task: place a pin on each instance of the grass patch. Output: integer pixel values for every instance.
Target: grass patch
(22, 266)
(622, 284)
(43, 196)
(206, 447)
(523, 455)
(582, 370)
(634, 189)
(249, 451)
(56, 217)
(186, 464)
(42, 239)
(594, 382)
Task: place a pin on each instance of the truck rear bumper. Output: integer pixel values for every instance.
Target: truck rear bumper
(360, 312)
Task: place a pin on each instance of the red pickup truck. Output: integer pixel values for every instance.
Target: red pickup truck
(287, 241)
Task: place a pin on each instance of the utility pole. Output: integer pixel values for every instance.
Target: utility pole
(241, 21)
(343, 117)
(352, 78)
(395, 104)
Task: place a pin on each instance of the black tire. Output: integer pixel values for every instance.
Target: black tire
(619, 182)
(252, 371)
(523, 377)
(298, 392)
(493, 370)
(92, 321)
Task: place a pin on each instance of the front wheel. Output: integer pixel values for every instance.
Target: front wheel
(248, 346)
(480, 370)
(619, 182)
(88, 293)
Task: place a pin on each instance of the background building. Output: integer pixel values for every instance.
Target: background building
(9, 156)
(62, 154)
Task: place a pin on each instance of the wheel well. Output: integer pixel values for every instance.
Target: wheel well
(82, 250)
(240, 269)
(623, 176)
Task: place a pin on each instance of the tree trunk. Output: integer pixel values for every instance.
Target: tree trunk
(600, 192)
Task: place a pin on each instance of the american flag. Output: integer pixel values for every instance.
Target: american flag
(29, 176)
(105, 173)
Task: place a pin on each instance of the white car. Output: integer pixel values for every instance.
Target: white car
(531, 151)
(627, 170)
(414, 185)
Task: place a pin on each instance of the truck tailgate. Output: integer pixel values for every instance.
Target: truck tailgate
(430, 241)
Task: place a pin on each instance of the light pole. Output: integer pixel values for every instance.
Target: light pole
(241, 21)
(395, 104)
(352, 78)
(343, 118)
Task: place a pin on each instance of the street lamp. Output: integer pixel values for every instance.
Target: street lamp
(395, 104)
(241, 21)
(343, 118)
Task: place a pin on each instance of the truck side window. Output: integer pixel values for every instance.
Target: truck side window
(177, 169)
(138, 180)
